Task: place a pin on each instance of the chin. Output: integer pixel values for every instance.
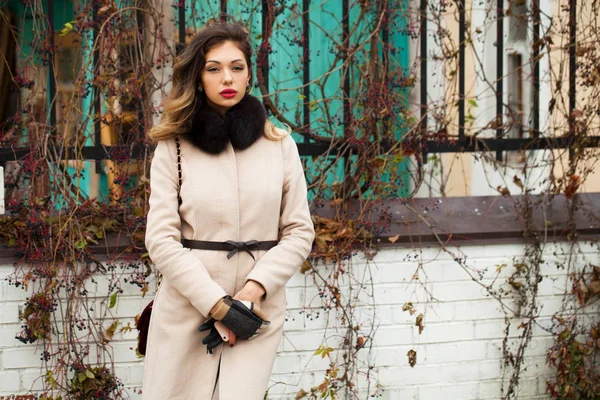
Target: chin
(225, 103)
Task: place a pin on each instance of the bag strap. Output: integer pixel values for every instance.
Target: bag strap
(178, 170)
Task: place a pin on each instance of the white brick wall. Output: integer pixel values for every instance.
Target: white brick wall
(459, 353)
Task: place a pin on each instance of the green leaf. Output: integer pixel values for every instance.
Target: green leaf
(11, 242)
(473, 103)
(398, 158)
(50, 381)
(89, 374)
(82, 377)
(319, 350)
(68, 28)
(301, 96)
(113, 300)
(81, 244)
(326, 352)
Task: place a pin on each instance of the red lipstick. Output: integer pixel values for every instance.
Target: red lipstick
(228, 93)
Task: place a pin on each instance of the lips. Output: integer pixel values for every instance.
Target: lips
(228, 93)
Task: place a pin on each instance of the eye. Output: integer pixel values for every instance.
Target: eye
(238, 68)
(212, 69)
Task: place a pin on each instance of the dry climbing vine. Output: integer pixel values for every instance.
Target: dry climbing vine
(373, 139)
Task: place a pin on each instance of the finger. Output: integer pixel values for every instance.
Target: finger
(260, 313)
(212, 345)
(232, 338)
(223, 330)
(208, 324)
(211, 337)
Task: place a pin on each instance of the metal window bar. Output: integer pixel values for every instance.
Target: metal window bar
(51, 76)
(572, 70)
(181, 22)
(223, 15)
(499, 73)
(265, 56)
(306, 68)
(536, 68)
(423, 70)
(96, 92)
(461, 69)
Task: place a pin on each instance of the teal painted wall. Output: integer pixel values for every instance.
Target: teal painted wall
(285, 68)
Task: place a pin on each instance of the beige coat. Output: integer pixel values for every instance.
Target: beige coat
(236, 195)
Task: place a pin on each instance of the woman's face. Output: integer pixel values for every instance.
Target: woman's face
(224, 76)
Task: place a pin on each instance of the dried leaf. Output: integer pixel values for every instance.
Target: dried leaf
(412, 357)
(409, 307)
(336, 202)
(110, 332)
(515, 284)
(360, 342)
(503, 191)
(321, 243)
(572, 186)
(580, 292)
(394, 238)
(306, 266)
(595, 287)
(419, 323)
(377, 162)
(301, 394)
(517, 181)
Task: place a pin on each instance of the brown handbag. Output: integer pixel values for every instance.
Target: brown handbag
(143, 322)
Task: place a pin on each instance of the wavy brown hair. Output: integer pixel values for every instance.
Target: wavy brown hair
(180, 104)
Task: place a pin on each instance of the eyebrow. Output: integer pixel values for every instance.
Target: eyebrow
(218, 62)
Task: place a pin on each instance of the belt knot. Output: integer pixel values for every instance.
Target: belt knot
(234, 247)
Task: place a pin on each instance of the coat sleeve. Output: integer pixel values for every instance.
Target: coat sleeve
(278, 265)
(179, 266)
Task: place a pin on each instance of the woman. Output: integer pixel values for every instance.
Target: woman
(242, 180)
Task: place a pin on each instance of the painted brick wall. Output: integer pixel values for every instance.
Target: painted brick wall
(458, 354)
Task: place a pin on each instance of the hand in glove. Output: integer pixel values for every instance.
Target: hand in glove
(242, 317)
(214, 337)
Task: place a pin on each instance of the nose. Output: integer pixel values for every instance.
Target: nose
(227, 77)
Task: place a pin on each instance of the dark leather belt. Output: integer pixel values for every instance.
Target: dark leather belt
(230, 246)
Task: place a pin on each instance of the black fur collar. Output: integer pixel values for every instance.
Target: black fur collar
(241, 125)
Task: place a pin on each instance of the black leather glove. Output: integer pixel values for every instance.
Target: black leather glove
(213, 339)
(242, 319)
